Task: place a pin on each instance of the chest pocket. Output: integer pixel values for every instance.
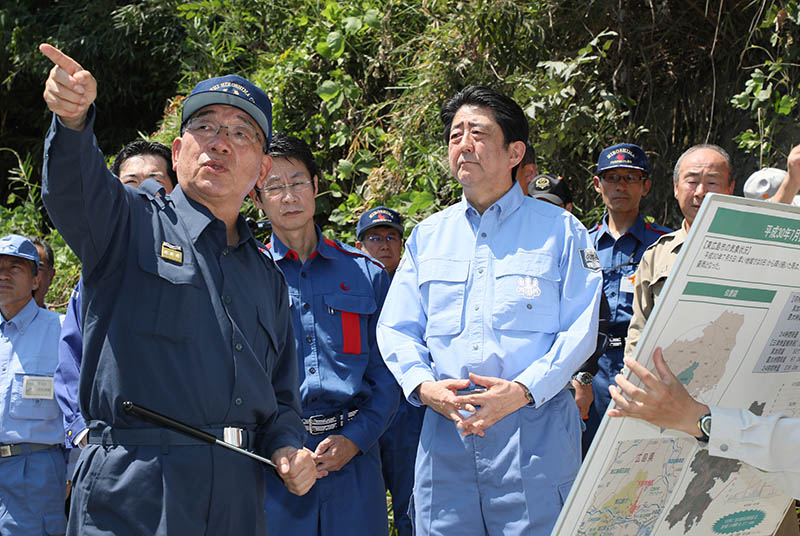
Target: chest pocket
(660, 275)
(527, 293)
(31, 408)
(442, 283)
(350, 316)
(174, 291)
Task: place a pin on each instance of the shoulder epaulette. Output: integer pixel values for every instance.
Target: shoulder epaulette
(350, 250)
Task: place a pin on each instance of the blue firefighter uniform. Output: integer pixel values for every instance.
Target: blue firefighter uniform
(512, 293)
(335, 298)
(32, 464)
(177, 320)
(619, 259)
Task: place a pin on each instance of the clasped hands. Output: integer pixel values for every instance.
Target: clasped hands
(501, 398)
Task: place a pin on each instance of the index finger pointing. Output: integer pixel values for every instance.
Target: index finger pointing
(60, 59)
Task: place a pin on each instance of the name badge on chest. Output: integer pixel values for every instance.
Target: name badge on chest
(626, 283)
(40, 387)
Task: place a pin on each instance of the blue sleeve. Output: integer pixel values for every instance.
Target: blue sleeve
(377, 412)
(67, 373)
(287, 426)
(86, 202)
(401, 331)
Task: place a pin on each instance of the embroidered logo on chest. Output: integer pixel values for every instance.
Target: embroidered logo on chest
(528, 287)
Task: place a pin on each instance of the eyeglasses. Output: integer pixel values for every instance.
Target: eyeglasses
(280, 189)
(629, 179)
(206, 129)
(378, 239)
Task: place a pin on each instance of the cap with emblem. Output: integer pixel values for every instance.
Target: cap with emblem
(378, 216)
(19, 246)
(550, 188)
(235, 91)
(622, 155)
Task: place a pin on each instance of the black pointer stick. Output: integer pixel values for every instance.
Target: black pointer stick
(163, 420)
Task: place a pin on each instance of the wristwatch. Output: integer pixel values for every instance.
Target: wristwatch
(583, 378)
(528, 394)
(704, 425)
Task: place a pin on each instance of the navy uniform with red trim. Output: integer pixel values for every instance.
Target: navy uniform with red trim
(619, 259)
(335, 298)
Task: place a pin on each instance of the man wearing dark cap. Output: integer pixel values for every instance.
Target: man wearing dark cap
(183, 312)
(380, 234)
(552, 189)
(620, 240)
(32, 462)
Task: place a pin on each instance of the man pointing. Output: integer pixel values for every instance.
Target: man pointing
(183, 312)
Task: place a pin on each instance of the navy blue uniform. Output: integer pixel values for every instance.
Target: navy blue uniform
(619, 259)
(176, 320)
(335, 298)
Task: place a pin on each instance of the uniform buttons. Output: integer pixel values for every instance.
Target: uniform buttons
(228, 299)
(477, 307)
(612, 293)
(474, 346)
(312, 370)
(480, 270)
(491, 208)
(306, 306)
(723, 447)
(238, 347)
(483, 235)
(238, 401)
(225, 252)
(308, 338)
(529, 306)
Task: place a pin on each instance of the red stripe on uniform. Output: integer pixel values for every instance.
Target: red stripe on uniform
(351, 333)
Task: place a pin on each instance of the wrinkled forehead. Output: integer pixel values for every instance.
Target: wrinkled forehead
(705, 163)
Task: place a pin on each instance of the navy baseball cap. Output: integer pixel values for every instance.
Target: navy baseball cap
(19, 246)
(550, 188)
(378, 216)
(622, 155)
(232, 90)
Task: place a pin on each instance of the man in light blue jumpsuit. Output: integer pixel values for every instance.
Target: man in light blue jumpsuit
(348, 395)
(501, 292)
(183, 312)
(380, 233)
(32, 461)
(620, 240)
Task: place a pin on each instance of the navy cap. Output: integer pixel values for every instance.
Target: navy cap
(622, 155)
(232, 90)
(19, 246)
(550, 188)
(378, 216)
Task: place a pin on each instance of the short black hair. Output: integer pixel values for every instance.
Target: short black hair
(507, 113)
(284, 146)
(48, 251)
(142, 147)
(530, 155)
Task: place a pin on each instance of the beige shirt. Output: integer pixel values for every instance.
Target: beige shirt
(654, 268)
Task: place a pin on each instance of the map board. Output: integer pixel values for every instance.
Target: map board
(728, 321)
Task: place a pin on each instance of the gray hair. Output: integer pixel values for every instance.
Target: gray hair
(694, 148)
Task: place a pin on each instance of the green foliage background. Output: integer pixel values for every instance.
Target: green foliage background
(362, 81)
